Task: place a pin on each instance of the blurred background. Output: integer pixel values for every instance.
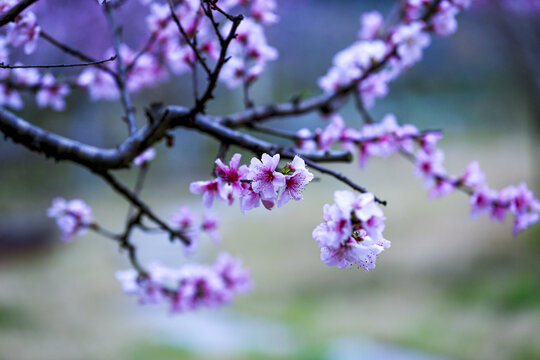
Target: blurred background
(449, 288)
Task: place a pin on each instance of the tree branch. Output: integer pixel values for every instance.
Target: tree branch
(186, 38)
(143, 208)
(12, 13)
(121, 69)
(339, 176)
(74, 52)
(6, 66)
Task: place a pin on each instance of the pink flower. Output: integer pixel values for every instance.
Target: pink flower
(237, 279)
(128, 281)
(201, 287)
(429, 165)
(359, 249)
(413, 8)
(444, 22)
(249, 53)
(372, 23)
(159, 22)
(373, 87)
(145, 157)
(429, 141)
(265, 180)
(335, 229)
(52, 93)
(233, 73)
(72, 217)
(296, 178)
(10, 97)
(250, 199)
(384, 135)
(190, 287)
(501, 204)
(523, 200)
(482, 200)
(331, 133)
(210, 226)
(184, 220)
(442, 187)
(180, 58)
(264, 11)
(208, 189)
(29, 77)
(473, 176)
(305, 140)
(523, 221)
(24, 31)
(410, 41)
(230, 177)
(365, 210)
(405, 135)
(100, 84)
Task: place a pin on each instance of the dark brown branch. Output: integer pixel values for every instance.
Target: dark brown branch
(323, 101)
(295, 107)
(248, 102)
(339, 176)
(431, 10)
(62, 148)
(141, 176)
(210, 15)
(213, 78)
(121, 69)
(74, 52)
(143, 208)
(176, 117)
(213, 5)
(362, 108)
(123, 240)
(275, 132)
(12, 13)
(5, 66)
(191, 44)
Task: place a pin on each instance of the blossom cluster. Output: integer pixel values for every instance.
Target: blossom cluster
(388, 137)
(190, 287)
(261, 182)
(377, 139)
(517, 200)
(186, 222)
(167, 51)
(24, 32)
(72, 217)
(352, 231)
(171, 50)
(399, 48)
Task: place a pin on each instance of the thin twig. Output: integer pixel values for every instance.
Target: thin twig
(74, 52)
(143, 208)
(362, 108)
(5, 66)
(213, 78)
(193, 45)
(248, 102)
(121, 69)
(339, 176)
(148, 45)
(141, 176)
